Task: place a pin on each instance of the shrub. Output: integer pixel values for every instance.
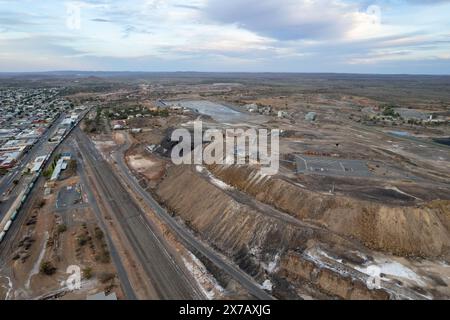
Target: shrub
(47, 268)
(62, 228)
(82, 240)
(87, 273)
(41, 204)
(390, 112)
(48, 173)
(99, 233)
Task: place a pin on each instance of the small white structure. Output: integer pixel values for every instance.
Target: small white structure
(151, 148)
(68, 122)
(282, 114)
(311, 116)
(176, 107)
(66, 156)
(38, 164)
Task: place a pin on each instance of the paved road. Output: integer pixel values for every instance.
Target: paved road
(187, 238)
(169, 279)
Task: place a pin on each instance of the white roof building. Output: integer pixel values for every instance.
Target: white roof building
(58, 169)
(38, 163)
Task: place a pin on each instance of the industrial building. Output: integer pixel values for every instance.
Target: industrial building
(60, 166)
(37, 164)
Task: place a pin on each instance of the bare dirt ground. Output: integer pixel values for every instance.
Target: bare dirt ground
(151, 168)
(406, 179)
(311, 235)
(59, 238)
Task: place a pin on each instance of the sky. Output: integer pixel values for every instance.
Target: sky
(350, 36)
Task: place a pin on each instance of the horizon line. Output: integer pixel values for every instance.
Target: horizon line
(225, 72)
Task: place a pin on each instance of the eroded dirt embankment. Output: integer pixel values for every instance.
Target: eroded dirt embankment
(258, 243)
(417, 231)
(296, 268)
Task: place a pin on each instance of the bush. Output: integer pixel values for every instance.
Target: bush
(98, 233)
(48, 173)
(87, 273)
(41, 204)
(62, 228)
(82, 240)
(47, 268)
(390, 112)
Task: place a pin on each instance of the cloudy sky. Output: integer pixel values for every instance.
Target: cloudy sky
(364, 36)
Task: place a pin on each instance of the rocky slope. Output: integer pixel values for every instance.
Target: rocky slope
(258, 243)
(418, 231)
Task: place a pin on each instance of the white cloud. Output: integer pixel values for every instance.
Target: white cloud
(247, 34)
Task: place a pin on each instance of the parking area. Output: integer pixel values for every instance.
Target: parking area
(69, 197)
(331, 166)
